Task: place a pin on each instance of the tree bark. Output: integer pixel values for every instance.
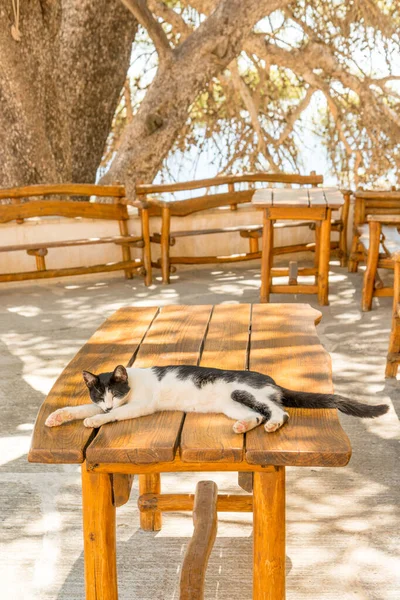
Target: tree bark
(59, 87)
(179, 79)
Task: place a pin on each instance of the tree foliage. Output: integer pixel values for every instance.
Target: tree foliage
(339, 56)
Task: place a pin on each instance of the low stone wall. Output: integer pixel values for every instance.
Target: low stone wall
(48, 229)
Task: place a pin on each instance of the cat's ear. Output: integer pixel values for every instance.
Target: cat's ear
(120, 374)
(89, 379)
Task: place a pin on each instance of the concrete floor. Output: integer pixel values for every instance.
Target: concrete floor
(342, 535)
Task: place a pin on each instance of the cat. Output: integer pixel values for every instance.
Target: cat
(246, 396)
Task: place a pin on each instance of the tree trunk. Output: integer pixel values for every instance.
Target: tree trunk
(59, 87)
(180, 78)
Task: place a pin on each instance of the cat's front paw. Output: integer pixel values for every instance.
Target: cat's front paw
(92, 422)
(273, 425)
(58, 417)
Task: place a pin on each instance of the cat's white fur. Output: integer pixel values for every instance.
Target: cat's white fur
(148, 395)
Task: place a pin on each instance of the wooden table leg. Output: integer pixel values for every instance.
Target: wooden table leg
(317, 248)
(372, 265)
(99, 536)
(150, 484)
(324, 256)
(269, 535)
(266, 256)
(392, 363)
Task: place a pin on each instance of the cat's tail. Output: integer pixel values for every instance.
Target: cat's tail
(294, 399)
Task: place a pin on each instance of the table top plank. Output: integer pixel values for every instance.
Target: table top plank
(175, 337)
(209, 437)
(285, 345)
(298, 198)
(116, 340)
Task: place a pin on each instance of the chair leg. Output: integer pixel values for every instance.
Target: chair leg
(150, 484)
(99, 534)
(165, 242)
(393, 358)
(267, 257)
(372, 265)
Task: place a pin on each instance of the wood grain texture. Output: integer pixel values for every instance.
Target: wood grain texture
(178, 502)
(121, 485)
(68, 189)
(285, 345)
(269, 535)
(117, 239)
(69, 271)
(205, 522)
(114, 342)
(175, 337)
(209, 437)
(152, 519)
(99, 536)
(63, 208)
(311, 179)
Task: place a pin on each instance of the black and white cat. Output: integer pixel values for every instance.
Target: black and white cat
(246, 396)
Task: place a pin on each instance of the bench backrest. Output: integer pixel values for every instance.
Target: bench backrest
(375, 203)
(232, 197)
(24, 203)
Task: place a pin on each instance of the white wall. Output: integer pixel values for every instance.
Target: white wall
(48, 229)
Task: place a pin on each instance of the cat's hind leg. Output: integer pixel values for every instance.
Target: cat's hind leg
(246, 424)
(278, 418)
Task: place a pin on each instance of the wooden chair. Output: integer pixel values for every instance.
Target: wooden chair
(369, 203)
(205, 520)
(229, 199)
(393, 357)
(380, 243)
(47, 200)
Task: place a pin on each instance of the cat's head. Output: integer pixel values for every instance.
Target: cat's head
(108, 390)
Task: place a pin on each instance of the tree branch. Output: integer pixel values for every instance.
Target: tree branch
(179, 25)
(142, 13)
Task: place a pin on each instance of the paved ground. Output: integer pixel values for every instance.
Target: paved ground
(342, 539)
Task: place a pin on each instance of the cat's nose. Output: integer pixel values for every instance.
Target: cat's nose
(107, 409)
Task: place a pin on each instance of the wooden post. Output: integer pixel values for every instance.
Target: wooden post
(231, 190)
(269, 535)
(39, 254)
(150, 484)
(324, 256)
(253, 244)
(267, 256)
(317, 248)
(392, 363)
(147, 248)
(99, 536)
(353, 260)
(165, 235)
(123, 229)
(372, 265)
(122, 485)
(343, 232)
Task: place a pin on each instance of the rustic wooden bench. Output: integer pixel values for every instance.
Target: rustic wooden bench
(377, 202)
(380, 242)
(24, 203)
(228, 199)
(299, 205)
(278, 339)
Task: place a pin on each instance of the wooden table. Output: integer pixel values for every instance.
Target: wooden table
(278, 339)
(315, 204)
